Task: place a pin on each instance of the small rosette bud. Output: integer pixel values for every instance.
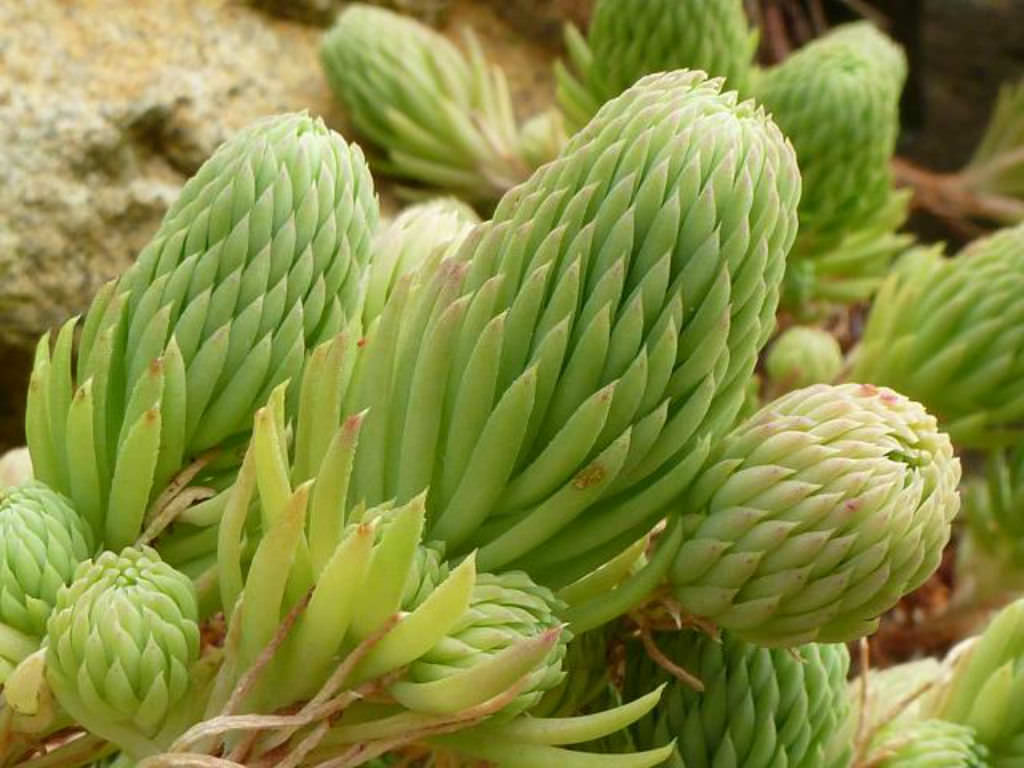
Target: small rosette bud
(417, 234)
(123, 638)
(504, 611)
(816, 515)
(42, 541)
(803, 356)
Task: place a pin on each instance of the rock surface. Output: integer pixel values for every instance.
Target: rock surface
(107, 107)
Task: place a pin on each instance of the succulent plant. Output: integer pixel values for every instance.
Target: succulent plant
(996, 170)
(42, 541)
(986, 689)
(470, 645)
(802, 356)
(947, 332)
(417, 235)
(503, 610)
(816, 515)
(893, 696)
(930, 744)
(122, 640)
(259, 259)
(436, 117)
(759, 707)
(628, 39)
(837, 100)
(558, 381)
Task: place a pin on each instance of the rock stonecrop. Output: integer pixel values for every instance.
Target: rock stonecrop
(948, 333)
(628, 39)
(436, 117)
(986, 688)
(122, 642)
(260, 258)
(759, 707)
(930, 744)
(557, 383)
(802, 356)
(816, 515)
(42, 541)
(837, 100)
(414, 495)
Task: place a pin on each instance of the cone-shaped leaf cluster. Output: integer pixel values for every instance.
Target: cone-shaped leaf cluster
(261, 256)
(816, 515)
(950, 334)
(628, 39)
(558, 381)
(759, 707)
(436, 116)
(837, 99)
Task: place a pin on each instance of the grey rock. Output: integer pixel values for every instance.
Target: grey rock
(106, 108)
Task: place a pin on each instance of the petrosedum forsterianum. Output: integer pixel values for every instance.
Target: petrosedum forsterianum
(628, 39)
(42, 541)
(260, 257)
(950, 334)
(837, 99)
(363, 596)
(557, 383)
(435, 117)
(986, 688)
(122, 641)
(504, 609)
(802, 356)
(816, 515)
(759, 707)
(930, 744)
(411, 240)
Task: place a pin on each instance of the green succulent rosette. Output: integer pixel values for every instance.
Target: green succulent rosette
(837, 99)
(930, 744)
(557, 383)
(816, 515)
(368, 609)
(436, 116)
(802, 356)
(759, 706)
(894, 695)
(122, 642)
(42, 541)
(260, 258)
(504, 610)
(947, 332)
(996, 169)
(986, 688)
(628, 39)
(419, 234)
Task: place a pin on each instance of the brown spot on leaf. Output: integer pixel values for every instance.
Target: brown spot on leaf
(590, 476)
